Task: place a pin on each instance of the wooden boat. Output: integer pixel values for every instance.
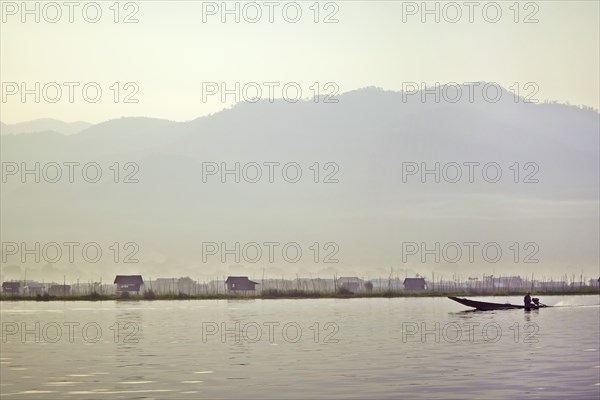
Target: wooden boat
(485, 306)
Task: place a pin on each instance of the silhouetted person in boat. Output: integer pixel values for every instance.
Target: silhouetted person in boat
(527, 300)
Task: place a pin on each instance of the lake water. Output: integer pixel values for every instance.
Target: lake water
(325, 348)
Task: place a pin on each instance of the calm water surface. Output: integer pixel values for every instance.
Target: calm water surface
(271, 349)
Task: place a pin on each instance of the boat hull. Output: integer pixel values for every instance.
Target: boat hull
(485, 306)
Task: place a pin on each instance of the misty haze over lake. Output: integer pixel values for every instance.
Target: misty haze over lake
(369, 191)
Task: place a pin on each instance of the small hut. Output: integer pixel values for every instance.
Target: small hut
(414, 284)
(12, 288)
(59, 290)
(129, 283)
(240, 283)
(351, 283)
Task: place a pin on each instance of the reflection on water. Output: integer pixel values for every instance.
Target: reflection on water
(326, 348)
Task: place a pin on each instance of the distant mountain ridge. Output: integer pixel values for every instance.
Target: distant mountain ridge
(421, 99)
(44, 125)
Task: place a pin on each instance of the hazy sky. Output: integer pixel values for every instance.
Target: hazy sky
(170, 52)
